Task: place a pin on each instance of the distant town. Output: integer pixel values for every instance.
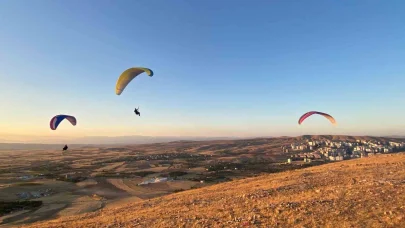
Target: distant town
(339, 150)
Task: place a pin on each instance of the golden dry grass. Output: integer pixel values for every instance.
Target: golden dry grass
(367, 192)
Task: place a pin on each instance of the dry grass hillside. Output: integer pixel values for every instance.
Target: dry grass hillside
(367, 192)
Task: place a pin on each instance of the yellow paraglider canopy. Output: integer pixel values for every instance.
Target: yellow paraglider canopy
(127, 76)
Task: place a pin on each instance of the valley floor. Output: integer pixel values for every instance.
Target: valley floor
(366, 192)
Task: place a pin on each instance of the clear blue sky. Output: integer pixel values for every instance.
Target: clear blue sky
(226, 67)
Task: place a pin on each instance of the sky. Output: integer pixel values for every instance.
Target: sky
(221, 68)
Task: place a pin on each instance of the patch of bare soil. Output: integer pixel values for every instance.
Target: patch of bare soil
(367, 192)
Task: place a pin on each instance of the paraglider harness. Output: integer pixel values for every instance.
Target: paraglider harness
(65, 147)
(137, 112)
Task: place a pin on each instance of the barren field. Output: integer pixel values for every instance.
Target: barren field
(42, 185)
(367, 192)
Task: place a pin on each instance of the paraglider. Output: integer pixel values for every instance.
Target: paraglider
(308, 114)
(127, 76)
(137, 111)
(56, 120)
(65, 147)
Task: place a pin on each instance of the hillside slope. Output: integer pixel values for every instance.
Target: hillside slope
(367, 192)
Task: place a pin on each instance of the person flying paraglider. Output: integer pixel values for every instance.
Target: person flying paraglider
(137, 111)
(65, 147)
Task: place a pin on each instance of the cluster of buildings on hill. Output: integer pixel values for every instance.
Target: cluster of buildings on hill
(340, 150)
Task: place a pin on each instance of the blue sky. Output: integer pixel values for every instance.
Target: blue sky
(222, 68)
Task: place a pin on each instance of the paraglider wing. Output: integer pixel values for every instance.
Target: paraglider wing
(308, 114)
(127, 76)
(56, 120)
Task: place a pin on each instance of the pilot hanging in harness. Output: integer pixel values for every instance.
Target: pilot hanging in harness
(137, 111)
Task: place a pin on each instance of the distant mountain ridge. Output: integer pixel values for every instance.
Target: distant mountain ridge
(142, 139)
(57, 143)
(36, 146)
(396, 136)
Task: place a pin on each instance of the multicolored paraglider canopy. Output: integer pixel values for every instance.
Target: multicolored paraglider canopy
(56, 120)
(308, 114)
(127, 76)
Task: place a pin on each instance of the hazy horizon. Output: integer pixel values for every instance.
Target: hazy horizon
(100, 139)
(134, 139)
(221, 69)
